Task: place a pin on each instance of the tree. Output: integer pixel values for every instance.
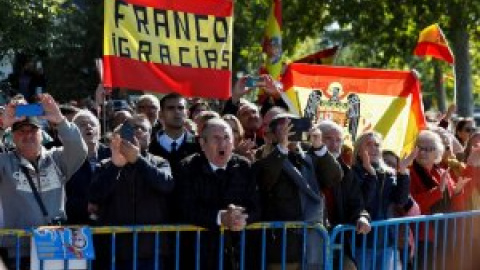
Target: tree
(65, 36)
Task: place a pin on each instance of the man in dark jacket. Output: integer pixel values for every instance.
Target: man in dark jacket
(344, 202)
(78, 185)
(130, 189)
(217, 188)
(290, 183)
(174, 142)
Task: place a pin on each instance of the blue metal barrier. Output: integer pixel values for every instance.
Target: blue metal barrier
(441, 241)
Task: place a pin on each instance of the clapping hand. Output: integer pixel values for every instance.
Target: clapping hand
(407, 161)
(367, 165)
(462, 181)
(444, 179)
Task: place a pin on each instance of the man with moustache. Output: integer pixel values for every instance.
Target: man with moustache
(78, 185)
(216, 188)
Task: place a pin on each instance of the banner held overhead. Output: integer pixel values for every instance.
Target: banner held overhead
(358, 99)
(169, 46)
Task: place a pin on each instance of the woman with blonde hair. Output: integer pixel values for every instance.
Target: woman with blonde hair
(381, 187)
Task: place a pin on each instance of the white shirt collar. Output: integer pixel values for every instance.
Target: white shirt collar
(166, 142)
(215, 168)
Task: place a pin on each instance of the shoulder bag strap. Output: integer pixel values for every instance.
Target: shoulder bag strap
(35, 191)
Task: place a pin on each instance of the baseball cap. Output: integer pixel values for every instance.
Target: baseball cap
(31, 120)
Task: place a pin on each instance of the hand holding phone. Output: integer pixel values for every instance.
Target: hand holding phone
(252, 81)
(127, 132)
(301, 127)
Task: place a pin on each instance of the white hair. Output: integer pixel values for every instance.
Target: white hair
(215, 122)
(326, 126)
(150, 97)
(88, 114)
(436, 139)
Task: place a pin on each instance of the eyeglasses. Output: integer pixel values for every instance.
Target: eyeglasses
(469, 129)
(427, 149)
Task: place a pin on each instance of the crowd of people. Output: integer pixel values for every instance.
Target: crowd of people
(189, 164)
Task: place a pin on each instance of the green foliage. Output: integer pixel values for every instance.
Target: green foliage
(371, 33)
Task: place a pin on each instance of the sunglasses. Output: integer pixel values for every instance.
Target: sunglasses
(469, 129)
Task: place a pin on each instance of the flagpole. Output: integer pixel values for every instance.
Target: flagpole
(454, 85)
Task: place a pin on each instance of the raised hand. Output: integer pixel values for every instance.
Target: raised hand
(272, 87)
(117, 158)
(130, 151)
(462, 181)
(407, 161)
(52, 111)
(366, 163)
(240, 89)
(246, 148)
(444, 177)
(9, 117)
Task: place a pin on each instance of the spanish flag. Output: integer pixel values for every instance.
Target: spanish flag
(432, 42)
(359, 99)
(272, 42)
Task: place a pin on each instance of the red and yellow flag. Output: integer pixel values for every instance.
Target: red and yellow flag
(169, 46)
(323, 57)
(386, 101)
(272, 41)
(432, 42)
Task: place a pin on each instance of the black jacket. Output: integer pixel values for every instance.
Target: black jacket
(281, 196)
(203, 194)
(77, 189)
(348, 200)
(188, 147)
(133, 195)
(380, 192)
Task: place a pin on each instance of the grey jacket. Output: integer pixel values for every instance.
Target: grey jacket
(55, 167)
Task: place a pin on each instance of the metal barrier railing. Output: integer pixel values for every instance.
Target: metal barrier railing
(440, 241)
(258, 234)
